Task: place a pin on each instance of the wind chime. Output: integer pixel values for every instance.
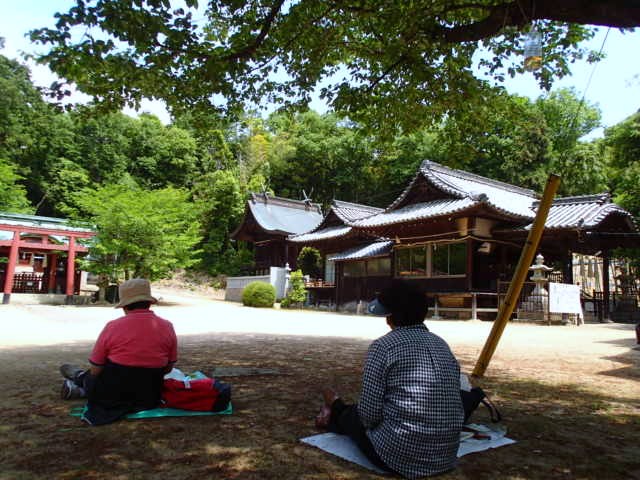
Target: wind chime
(533, 50)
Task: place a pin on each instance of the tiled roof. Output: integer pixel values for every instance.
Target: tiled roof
(20, 220)
(276, 214)
(583, 211)
(501, 196)
(346, 212)
(349, 212)
(376, 249)
(324, 234)
(417, 211)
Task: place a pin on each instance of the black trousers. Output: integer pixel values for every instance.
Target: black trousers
(85, 380)
(346, 421)
(119, 390)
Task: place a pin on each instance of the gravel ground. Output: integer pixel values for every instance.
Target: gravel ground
(569, 396)
(590, 348)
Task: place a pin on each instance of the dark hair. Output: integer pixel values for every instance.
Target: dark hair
(138, 305)
(408, 305)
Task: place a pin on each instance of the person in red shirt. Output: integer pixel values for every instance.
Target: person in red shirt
(128, 362)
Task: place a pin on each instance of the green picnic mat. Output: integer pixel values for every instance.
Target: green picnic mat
(163, 412)
(159, 412)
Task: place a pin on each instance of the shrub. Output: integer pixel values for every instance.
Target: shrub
(259, 294)
(310, 261)
(297, 293)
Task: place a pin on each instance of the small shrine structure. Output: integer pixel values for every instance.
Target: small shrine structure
(38, 254)
(268, 221)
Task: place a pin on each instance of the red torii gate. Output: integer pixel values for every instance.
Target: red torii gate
(50, 227)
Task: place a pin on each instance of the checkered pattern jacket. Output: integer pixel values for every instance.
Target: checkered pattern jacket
(410, 401)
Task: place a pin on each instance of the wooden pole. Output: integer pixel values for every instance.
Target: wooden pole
(71, 270)
(513, 293)
(11, 267)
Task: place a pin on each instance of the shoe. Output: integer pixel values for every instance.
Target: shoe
(70, 391)
(70, 371)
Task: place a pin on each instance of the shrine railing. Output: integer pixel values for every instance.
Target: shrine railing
(30, 283)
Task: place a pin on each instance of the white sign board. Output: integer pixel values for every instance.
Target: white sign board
(564, 298)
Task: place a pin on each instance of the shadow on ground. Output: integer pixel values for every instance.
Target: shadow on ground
(563, 430)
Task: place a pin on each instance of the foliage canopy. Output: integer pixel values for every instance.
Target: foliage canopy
(370, 58)
(180, 189)
(140, 233)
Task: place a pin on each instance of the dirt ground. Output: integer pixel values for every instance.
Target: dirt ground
(570, 396)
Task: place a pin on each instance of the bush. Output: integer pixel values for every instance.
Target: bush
(259, 294)
(297, 293)
(310, 262)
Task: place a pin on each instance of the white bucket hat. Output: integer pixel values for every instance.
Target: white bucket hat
(135, 290)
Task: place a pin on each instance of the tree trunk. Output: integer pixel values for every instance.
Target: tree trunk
(103, 283)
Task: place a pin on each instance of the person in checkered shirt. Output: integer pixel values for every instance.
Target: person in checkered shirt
(410, 414)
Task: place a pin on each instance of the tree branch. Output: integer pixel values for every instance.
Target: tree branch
(612, 13)
(249, 50)
(384, 74)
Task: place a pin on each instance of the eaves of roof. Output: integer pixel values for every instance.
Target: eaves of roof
(375, 249)
(433, 209)
(324, 234)
(417, 211)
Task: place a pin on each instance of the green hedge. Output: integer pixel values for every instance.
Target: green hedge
(259, 294)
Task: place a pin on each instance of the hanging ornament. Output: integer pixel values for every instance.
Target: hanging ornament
(533, 50)
(583, 273)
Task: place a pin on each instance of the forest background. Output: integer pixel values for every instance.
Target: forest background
(168, 196)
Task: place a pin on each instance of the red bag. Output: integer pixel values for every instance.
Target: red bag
(202, 394)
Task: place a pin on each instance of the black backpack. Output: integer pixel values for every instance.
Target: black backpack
(473, 398)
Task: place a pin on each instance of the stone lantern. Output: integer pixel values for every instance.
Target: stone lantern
(536, 305)
(539, 276)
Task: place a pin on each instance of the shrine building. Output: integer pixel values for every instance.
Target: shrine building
(458, 236)
(38, 255)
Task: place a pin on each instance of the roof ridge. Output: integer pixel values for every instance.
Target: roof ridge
(266, 198)
(437, 167)
(360, 206)
(366, 209)
(35, 218)
(601, 198)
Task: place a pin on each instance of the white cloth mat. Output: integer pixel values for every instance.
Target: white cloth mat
(343, 447)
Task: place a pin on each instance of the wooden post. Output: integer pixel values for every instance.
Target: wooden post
(53, 268)
(474, 307)
(606, 287)
(470, 256)
(520, 275)
(71, 269)
(11, 267)
(568, 276)
(286, 255)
